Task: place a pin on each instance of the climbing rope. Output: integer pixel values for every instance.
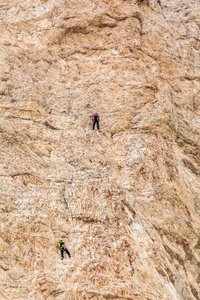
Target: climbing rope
(66, 201)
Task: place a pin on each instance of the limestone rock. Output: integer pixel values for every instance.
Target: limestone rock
(126, 199)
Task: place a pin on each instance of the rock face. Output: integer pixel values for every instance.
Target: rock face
(126, 199)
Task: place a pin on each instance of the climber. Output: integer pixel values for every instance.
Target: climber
(95, 119)
(62, 247)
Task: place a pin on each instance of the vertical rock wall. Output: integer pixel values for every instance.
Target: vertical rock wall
(126, 199)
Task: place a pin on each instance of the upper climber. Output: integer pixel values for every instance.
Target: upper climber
(95, 119)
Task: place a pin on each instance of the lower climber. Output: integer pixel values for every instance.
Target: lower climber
(95, 119)
(62, 247)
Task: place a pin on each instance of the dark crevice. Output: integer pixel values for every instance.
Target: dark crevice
(49, 126)
(130, 208)
(190, 166)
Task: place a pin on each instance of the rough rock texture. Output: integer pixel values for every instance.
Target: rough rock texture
(125, 199)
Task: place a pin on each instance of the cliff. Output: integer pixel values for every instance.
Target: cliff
(125, 199)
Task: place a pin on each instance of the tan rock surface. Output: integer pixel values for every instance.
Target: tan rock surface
(125, 199)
